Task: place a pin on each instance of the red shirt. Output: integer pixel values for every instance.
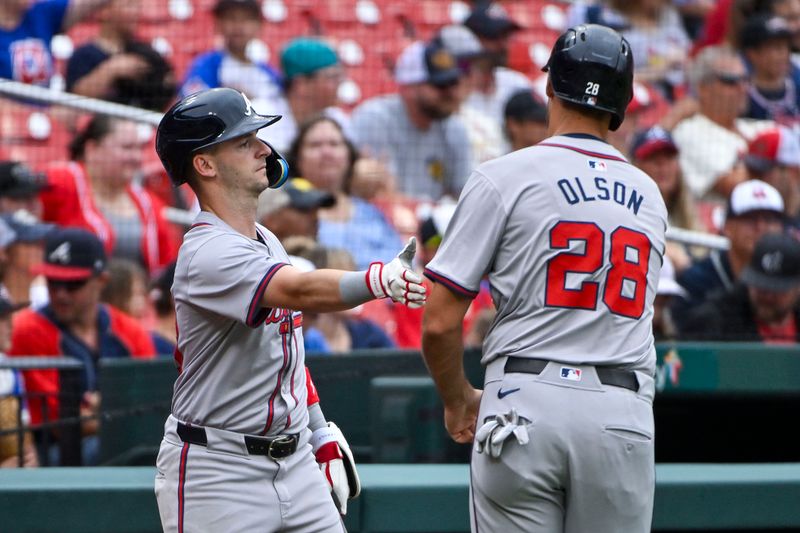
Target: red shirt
(785, 333)
(68, 201)
(36, 333)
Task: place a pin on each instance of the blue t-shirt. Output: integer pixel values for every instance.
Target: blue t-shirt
(25, 50)
(219, 69)
(367, 235)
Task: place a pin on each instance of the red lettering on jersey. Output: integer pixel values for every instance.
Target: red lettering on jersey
(277, 315)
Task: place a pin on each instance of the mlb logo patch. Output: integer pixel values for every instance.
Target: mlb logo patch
(570, 374)
(597, 165)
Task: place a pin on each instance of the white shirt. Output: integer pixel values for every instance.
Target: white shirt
(282, 133)
(506, 83)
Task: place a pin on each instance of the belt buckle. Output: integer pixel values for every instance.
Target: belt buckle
(280, 447)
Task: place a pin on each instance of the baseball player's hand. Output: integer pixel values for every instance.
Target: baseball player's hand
(460, 418)
(336, 463)
(396, 279)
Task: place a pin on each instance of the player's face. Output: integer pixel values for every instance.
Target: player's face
(772, 306)
(438, 103)
(238, 27)
(25, 255)
(72, 300)
(665, 170)
(241, 163)
(117, 157)
(323, 157)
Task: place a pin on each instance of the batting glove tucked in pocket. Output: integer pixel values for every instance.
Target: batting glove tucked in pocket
(490, 437)
(396, 279)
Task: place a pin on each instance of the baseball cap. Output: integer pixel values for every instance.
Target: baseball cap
(759, 29)
(18, 181)
(523, 105)
(27, 227)
(490, 20)
(651, 141)
(426, 63)
(754, 195)
(775, 264)
(460, 41)
(434, 223)
(72, 254)
(7, 235)
(6, 305)
(223, 5)
(775, 146)
(667, 286)
(304, 56)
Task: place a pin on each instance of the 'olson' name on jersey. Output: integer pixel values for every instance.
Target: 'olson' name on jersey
(577, 190)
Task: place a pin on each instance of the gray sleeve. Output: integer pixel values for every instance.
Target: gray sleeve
(472, 238)
(228, 276)
(370, 130)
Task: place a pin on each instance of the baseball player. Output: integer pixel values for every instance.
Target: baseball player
(571, 237)
(237, 448)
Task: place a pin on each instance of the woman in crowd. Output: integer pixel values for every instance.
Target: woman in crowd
(98, 190)
(322, 155)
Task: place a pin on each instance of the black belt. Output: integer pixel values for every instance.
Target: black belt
(274, 447)
(607, 376)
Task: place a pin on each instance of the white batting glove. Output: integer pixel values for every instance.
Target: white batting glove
(491, 436)
(336, 463)
(396, 279)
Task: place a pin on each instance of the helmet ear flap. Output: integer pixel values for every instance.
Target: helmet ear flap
(277, 168)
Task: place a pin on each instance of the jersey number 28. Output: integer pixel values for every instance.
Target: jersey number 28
(623, 268)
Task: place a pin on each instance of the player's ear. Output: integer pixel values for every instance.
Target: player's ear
(549, 89)
(204, 165)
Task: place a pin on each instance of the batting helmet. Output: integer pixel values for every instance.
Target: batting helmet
(592, 66)
(207, 118)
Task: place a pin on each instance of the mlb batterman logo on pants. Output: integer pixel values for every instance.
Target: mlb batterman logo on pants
(571, 237)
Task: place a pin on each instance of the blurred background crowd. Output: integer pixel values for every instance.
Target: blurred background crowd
(388, 106)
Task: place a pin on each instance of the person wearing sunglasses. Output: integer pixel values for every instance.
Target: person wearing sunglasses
(74, 324)
(417, 132)
(710, 141)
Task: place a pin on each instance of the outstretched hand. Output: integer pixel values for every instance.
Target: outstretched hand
(397, 280)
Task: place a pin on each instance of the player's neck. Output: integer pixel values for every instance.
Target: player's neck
(570, 123)
(240, 216)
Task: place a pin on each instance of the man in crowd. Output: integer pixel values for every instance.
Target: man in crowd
(773, 93)
(491, 82)
(293, 210)
(75, 324)
(415, 131)
(525, 120)
(238, 22)
(19, 188)
(710, 141)
(312, 74)
(763, 307)
(773, 156)
(26, 29)
(754, 209)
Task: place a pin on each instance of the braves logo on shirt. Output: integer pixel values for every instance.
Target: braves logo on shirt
(31, 62)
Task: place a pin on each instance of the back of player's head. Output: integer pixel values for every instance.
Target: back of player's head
(592, 67)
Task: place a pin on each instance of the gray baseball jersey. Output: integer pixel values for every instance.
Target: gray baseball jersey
(556, 262)
(241, 365)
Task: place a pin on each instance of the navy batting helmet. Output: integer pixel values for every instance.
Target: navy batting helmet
(592, 66)
(207, 118)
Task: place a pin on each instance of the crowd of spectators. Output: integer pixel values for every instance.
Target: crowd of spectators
(87, 250)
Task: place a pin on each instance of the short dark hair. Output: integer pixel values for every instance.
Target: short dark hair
(98, 127)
